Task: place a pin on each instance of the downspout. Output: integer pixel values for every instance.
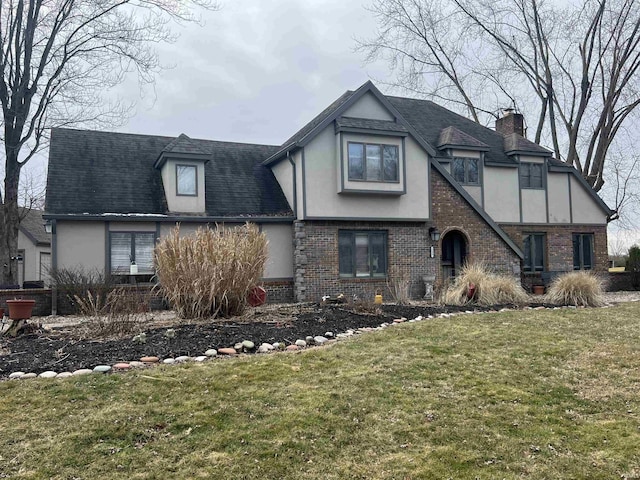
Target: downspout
(295, 182)
(54, 267)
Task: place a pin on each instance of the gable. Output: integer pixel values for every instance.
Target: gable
(368, 106)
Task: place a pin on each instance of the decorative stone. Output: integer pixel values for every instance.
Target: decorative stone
(227, 351)
(308, 339)
(27, 376)
(418, 318)
(212, 352)
(292, 348)
(48, 374)
(82, 371)
(248, 345)
(136, 364)
(277, 346)
(150, 359)
(329, 334)
(122, 366)
(238, 346)
(169, 361)
(64, 375)
(102, 368)
(182, 359)
(201, 358)
(16, 375)
(319, 340)
(268, 346)
(301, 343)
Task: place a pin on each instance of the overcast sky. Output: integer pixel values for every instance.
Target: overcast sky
(256, 71)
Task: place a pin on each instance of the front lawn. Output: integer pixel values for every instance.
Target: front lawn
(534, 394)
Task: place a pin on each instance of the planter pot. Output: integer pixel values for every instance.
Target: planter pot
(538, 289)
(20, 309)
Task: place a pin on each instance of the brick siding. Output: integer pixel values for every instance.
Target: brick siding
(278, 291)
(42, 296)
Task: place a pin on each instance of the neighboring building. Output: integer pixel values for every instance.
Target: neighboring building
(34, 249)
(355, 198)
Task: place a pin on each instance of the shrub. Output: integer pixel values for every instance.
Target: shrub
(74, 283)
(633, 265)
(399, 284)
(211, 272)
(490, 288)
(116, 314)
(581, 288)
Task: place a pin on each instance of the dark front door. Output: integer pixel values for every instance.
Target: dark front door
(454, 253)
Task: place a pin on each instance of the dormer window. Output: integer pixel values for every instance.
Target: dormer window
(465, 170)
(373, 162)
(531, 175)
(187, 180)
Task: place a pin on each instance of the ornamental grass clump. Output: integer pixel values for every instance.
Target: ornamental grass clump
(210, 273)
(581, 288)
(477, 284)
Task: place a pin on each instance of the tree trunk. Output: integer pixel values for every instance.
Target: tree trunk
(9, 221)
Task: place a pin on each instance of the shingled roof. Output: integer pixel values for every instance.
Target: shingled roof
(514, 143)
(452, 137)
(32, 225)
(97, 173)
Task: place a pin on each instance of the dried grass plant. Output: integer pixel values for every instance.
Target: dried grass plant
(490, 288)
(399, 285)
(117, 314)
(581, 288)
(210, 273)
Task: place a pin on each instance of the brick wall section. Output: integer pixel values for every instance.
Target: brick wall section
(278, 291)
(42, 296)
(559, 248)
(316, 259)
(452, 212)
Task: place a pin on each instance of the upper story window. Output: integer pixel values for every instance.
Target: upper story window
(531, 175)
(187, 180)
(373, 162)
(465, 170)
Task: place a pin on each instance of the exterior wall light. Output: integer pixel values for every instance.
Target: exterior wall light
(435, 234)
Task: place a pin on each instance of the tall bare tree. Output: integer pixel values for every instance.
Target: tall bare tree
(57, 57)
(573, 68)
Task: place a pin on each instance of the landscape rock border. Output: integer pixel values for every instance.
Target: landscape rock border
(248, 347)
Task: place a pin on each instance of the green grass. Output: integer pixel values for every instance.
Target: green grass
(534, 394)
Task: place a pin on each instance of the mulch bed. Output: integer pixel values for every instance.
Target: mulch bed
(62, 351)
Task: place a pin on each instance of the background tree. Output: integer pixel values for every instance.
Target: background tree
(57, 58)
(573, 68)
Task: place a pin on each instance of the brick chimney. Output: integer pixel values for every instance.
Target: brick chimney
(510, 122)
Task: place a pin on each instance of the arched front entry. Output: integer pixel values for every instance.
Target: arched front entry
(454, 253)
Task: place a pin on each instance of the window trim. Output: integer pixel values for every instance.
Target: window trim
(532, 253)
(364, 162)
(543, 181)
(581, 236)
(132, 253)
(466, 160)
(195, 167)
(354, 274)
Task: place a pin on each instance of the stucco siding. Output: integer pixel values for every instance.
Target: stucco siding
(584, 207)
(280, 262)
(181, 203)
(283, 171)
(321, 160)
(475, 192)
(558, 195)
(80, 244)
(501, 195)
(534, 206)
(132, 226)
(30, 268)
(368, 107)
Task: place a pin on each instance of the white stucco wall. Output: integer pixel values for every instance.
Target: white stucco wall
(501, 194)
(368, 107)
(475, 192)
(283, 171)
(30, 267)
(80, 244)
(558, 195)
(321, 184)
(280, 238)
(534, 206)
(585, 208)
(182, 203)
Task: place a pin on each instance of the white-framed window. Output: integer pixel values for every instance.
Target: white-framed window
(187, 180)
(132, 247)
(465, 170)
(373, 162)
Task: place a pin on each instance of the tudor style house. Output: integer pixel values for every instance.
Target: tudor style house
(372, 188)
